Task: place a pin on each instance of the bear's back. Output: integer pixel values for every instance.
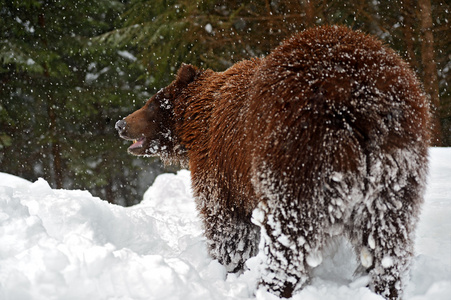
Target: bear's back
(331, 94)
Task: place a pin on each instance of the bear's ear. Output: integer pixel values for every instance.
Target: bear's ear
(186, 74)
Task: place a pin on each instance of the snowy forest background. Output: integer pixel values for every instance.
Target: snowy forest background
(70, 69)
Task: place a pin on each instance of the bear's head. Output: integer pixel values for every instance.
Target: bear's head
(152, 127)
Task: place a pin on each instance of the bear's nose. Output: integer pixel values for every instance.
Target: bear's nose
(120, 126)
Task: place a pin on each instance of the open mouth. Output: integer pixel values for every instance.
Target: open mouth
(138, 143)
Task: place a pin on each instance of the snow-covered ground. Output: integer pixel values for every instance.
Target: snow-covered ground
(62, 244)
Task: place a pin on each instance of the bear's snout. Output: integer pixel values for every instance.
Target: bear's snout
(120, 126)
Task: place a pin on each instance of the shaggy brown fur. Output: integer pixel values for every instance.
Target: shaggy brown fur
(327, 135)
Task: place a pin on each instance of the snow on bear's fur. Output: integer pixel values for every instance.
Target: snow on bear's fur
(325, 136)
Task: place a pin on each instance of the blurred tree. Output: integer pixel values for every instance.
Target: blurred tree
(65, 79)
(212, 34)
(61, 93)
(430, 79)
(215, 34)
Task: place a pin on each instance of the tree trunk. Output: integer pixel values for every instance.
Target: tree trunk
(407, 11)
(309, 9)
(56, 147)
(53, 128)
(430, 77)
(109, 194)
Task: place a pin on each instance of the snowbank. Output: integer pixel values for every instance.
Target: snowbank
(61, 244)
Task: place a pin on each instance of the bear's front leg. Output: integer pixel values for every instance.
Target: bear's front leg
(231, 238)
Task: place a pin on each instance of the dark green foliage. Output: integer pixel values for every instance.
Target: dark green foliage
(215, 34)
(70, 69)
(61, 93)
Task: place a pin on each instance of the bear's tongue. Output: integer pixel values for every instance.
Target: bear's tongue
(137, 143)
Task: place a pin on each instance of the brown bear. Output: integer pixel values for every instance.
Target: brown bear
(327, 135)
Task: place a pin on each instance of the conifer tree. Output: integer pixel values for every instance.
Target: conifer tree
(61, 92)
(215, 34)
(65, 79)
